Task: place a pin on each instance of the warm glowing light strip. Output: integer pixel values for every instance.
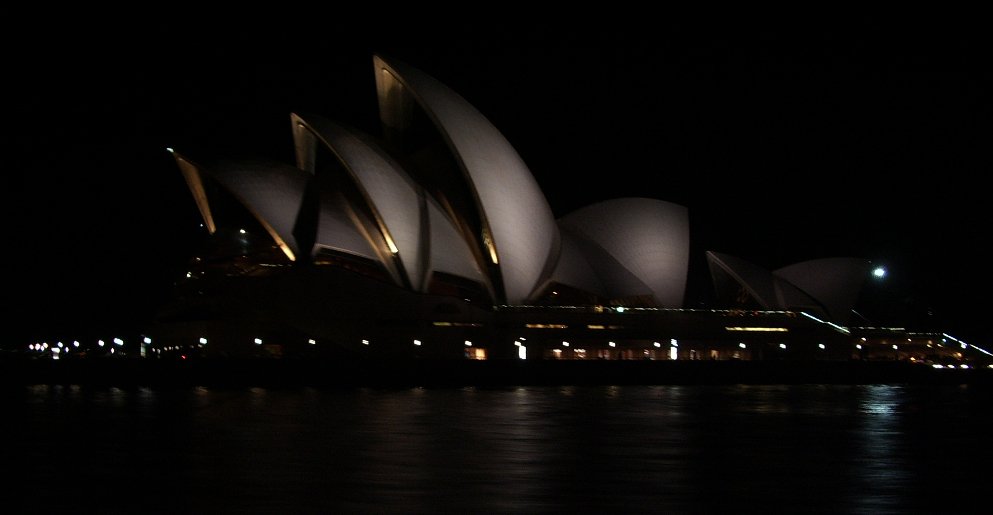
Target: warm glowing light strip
(546, 326)
(759, 329)
(594, 326)
(390, 244)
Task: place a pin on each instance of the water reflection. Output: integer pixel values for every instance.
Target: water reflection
(631, 449)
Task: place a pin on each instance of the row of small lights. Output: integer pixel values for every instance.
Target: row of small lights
(59, 347)
(468, 343)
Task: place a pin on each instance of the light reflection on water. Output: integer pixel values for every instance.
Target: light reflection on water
(630, 449)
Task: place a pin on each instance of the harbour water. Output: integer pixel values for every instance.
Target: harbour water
(801, 448)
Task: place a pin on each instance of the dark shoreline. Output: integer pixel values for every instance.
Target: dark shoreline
(458, 373)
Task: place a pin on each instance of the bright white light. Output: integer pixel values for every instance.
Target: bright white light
(147, 340)
(939, 365)
(171, 151)
(782, 345)
(365, 342)
(673, 353)
(879, 272)
(657, 344)
(963, 365)
(75, 343)
(565, 344)
(863, 338)
(523, 339)
(742, 345)
(417, 342)
(203, 341)
(965, 345)
(242, 231)
(258, 341)
(673, 342)
(188, 275)
(522, 352)
(858, 346)
(612, 344)
(312, 341)
(517, 343)
(468, 343)
(31, 347)
(100, 343)
(820, 345)
(118, 341)
(895, 347)
(60, 345)
(620, 309)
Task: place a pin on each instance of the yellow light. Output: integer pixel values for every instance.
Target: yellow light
(390, 244)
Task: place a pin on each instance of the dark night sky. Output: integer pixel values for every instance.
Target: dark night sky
(868, 139)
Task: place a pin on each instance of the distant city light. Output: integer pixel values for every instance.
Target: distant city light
(782, 345)
(100, 343)
(522, 352)
(565, 344)
(118, 341)
(365, 342)
(657, 344)
(242, 231)
(417, 342)
(75, 343)
(203, 341)
(258, 341)
(147, 340)
(468, 343)
(879, 272)
(820, 345)
(742, 345)
(858, 346)
(612, 344)
(312, 341)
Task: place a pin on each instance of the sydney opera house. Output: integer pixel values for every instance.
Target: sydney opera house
(433, 239)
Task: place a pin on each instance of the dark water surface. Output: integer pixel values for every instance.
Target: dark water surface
(543, 449)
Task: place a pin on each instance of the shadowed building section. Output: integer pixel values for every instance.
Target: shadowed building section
(411, 230)
(649, 240)
(835, 282)
(516, 233)
(827, 288)
(272, 192)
